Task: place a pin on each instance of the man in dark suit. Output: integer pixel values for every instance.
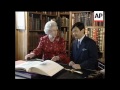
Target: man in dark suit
(84, 49)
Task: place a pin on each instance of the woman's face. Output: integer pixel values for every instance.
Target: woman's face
(53, 32)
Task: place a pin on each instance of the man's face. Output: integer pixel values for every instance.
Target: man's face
(77, 33)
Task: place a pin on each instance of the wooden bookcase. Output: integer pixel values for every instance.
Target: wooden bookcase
(36, 21)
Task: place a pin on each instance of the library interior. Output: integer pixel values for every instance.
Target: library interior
(29, 29)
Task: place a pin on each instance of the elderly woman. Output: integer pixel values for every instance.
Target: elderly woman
(51, 46)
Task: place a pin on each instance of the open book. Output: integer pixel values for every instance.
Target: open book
(48, 67)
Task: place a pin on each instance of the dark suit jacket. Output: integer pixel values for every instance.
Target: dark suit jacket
(86, 55)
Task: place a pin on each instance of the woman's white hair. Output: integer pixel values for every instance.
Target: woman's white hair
(49, 25)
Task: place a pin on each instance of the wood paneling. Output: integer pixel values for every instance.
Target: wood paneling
(21, 43)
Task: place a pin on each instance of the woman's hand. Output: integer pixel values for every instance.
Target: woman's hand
(55, 58)
(31, 55)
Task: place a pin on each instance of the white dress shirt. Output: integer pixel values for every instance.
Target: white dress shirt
(81, 39)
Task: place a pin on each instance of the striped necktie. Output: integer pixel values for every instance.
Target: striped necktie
(78, 44)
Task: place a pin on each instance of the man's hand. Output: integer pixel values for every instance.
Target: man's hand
(55, 58)
(76, 66)
(71, 63)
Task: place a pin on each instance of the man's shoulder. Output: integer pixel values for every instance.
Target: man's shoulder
(87, 39)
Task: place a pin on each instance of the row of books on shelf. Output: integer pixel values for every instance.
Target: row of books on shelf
(45, 12)
(64, 21)
(64, 12)
(36, 23)
(99, 24)
(34, 39)
(51, 12)
(64, 33)
(87, 18)
(98, 35)
(55, 13)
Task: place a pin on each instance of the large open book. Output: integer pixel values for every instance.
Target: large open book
(48, 67)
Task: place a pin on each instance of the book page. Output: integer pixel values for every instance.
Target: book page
(47, 67)
(27, 65)
(19, 62)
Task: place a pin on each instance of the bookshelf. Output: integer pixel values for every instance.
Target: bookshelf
(64, 28)
(94, 30)
(65, 19)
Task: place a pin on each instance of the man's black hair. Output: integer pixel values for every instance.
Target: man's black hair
(80, 25)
